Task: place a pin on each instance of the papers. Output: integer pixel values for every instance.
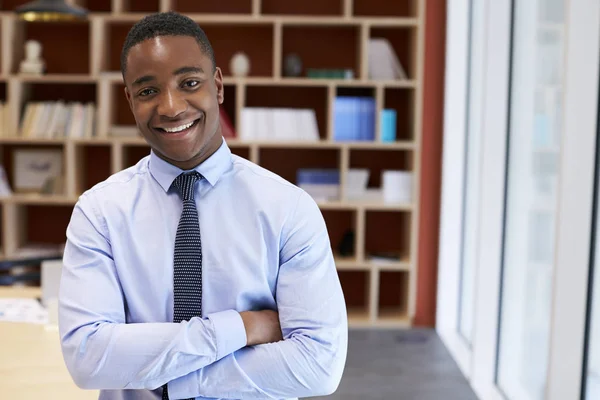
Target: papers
(22, 310)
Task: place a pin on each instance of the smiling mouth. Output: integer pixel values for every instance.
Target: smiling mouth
(179, 129)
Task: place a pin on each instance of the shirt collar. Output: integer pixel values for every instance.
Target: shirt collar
(211, 169)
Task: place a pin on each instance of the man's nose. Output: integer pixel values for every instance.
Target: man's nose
(171, 104)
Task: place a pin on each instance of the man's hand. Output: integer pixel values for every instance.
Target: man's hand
(261, 327)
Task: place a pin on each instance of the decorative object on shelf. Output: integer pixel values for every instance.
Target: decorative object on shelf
(346, 245)
(4, 186)
(383, 61)
(356, 183)
(54, 185)
(292, 65)
(33, 64)
(397, 186)
(32, 169)
(320, 73)
(239, 65)
(51, 10)
(388, 125)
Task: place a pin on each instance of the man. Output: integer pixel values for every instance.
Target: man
(196, 273)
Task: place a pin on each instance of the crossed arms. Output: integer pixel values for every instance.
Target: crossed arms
(228, 354)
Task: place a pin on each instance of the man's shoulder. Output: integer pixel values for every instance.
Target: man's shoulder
(272, 191)
(262, 178)
(120, 182)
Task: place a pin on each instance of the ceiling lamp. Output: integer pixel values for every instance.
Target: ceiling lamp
(50, 10)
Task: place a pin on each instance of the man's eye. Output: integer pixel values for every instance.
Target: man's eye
(146, 92)
(191, 83)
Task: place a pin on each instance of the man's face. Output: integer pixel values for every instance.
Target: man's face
(174, 94)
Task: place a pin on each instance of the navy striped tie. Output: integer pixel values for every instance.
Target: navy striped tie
(187, 266)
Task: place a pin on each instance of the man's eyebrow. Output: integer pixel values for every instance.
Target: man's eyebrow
(186, 70)
(143, 79)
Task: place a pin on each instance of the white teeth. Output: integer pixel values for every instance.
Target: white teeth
(179, 128)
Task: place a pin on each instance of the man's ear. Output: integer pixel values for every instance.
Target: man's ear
(219, 84)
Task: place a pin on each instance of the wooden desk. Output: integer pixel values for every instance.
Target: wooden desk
(31, 363)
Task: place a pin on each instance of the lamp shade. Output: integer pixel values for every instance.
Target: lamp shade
(50, 10)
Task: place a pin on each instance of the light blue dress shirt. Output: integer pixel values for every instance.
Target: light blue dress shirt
(265, 246)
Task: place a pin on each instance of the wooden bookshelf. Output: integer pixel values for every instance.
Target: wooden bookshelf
(325, 33)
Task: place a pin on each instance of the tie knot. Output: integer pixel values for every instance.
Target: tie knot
(184, 184)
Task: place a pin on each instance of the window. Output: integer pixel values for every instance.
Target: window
(531, 197)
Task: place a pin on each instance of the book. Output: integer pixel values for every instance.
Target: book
(227, 129)
(354, 118)
(383, 62)
(388, 125)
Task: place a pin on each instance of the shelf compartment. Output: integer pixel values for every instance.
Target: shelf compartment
(6, 128)
(10, 5)
(134, 153)
(95, 6)
(53, 37)
(402, 101)
(404, 43)
(255, 40)
(40, 231)
(393, 298)
(52, 92)
(305, 8)
(8, 159)
(377, 161)
(141, 6)
(388, 237)
(1, 229)
(229, 104)
(47, 224)
(242, 151)
(116, 33)
(286, 162)
(93, 165)
(213, 6)
(121, 112)
(314, 98)
(341, 225)
(323, 47)
(356, 288)
(385, 8)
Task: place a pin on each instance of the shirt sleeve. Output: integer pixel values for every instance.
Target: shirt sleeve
(100, 349)
(310, 359)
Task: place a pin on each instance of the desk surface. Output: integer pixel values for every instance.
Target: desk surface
(31, 363)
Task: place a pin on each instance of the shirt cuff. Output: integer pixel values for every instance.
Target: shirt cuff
(230, 332)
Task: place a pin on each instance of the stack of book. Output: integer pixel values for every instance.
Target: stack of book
(58, 119)
(321, 73)
(354, 119)
(320, 184)
(278, 124)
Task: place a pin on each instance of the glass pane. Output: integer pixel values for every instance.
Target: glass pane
(472, 172)
(529, 232)
(593, 352)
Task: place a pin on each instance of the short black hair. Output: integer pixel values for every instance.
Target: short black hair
(165, 24)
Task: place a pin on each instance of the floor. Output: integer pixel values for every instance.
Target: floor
(400, 365)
